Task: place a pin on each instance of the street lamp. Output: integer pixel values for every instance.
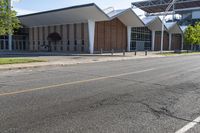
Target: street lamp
(163, 19)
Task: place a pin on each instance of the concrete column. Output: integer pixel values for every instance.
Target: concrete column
(10, 42)
(129, 38)
(153, 40)
(182, 41)
(91, 32)
(170, 41)
(10, 35)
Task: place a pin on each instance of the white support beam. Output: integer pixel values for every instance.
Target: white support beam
(153, 40)
(129, 38)
(91, 32)
(163, 21)
(170, 41)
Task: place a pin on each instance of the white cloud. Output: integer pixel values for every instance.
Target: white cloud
(122, 4)
(23, 11)
(127, 4)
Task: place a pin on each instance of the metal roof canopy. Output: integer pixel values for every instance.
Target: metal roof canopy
(155, 6)
(75, 14)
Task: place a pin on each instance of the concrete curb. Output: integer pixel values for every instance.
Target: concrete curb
(68, 64)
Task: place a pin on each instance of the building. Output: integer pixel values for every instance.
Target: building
(148, 37)
(189, 10)
(88, 29)
(115, 33)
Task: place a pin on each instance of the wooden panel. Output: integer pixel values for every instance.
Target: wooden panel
(96, 37)
(176, 42)
(110, 35)
(125, 36)
(51, 29)
(68, 31)
(64, 33)
(101, 36)
(82, 31)
(107, 36)
(78, 32)
(58, 43)
(43, 34)
(86, 37)
(119, 36)
(39, 30)
(113, 34)
(166, 41)
(30, 39)
(71, 37)
(157, 41)
(35, 34)
(36, 38)
(78, 36)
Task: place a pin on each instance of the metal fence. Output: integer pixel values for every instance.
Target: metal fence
(17, 45)
(23, 45)
(77, 45)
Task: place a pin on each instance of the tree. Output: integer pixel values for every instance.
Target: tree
(192, 35)
(8, 20)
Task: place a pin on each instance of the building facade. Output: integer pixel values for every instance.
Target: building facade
(88, 29)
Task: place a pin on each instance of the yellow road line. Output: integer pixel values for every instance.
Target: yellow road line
(72, 83)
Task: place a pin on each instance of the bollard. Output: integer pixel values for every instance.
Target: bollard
(101, 52)
(135, 52)
(146, 52)
(124, 53)
(112, 52)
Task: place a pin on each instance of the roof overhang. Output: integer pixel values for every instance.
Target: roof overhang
(173, 28)
(75, 14)
(129, 18)
(155, 24)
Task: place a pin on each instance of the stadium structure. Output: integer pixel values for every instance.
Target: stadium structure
(189, 10)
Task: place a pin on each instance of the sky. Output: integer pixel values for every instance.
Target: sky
(30, 6)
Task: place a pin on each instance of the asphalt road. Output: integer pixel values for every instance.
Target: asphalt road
(157, 95)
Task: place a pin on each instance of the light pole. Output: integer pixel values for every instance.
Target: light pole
(163, 19)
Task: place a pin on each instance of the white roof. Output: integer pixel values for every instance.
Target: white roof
(127, 16)
(75, 14)
(183, 28)
(153, 23)
(114, 13)
(173, 27)
(149, 19)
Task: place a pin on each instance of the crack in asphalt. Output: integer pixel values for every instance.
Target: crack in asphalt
(166, 112)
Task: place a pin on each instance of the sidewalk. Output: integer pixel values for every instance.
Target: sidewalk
(64, 60)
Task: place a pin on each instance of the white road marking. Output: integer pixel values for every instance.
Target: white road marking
(72, 83)
(189, 126)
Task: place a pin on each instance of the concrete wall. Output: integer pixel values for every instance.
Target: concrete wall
(74, 38)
